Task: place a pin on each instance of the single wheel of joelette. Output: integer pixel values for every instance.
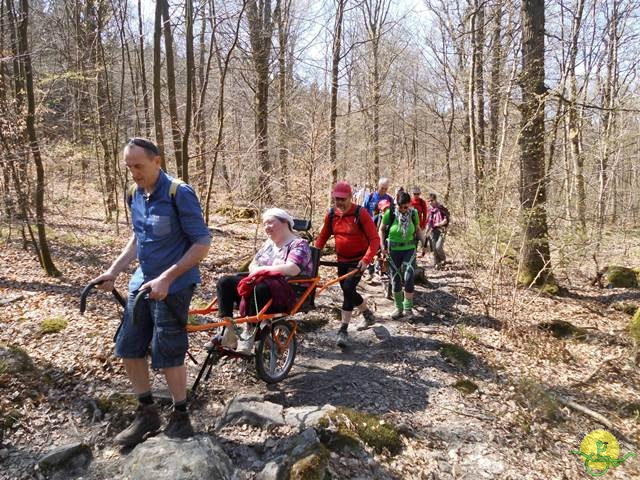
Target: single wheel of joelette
(275, 352)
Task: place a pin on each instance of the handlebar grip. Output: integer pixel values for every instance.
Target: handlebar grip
(139, 296)
(85, 293)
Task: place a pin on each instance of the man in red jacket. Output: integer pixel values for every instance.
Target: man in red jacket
(421, 206)
(357, 242)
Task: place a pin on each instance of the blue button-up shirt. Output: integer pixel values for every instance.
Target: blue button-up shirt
(165, 230)
(372, 202)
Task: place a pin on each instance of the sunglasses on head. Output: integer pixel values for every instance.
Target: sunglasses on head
(146, 144)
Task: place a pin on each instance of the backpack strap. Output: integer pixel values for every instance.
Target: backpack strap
(173, 190)
(332, 213)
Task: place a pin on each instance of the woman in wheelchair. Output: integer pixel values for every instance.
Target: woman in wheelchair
(282, 253)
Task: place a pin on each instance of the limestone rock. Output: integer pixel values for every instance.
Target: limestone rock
(251, 410)
(74, 455)
(305, 417)
(162, 458)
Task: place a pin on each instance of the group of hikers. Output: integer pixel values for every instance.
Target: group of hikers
(170, 238)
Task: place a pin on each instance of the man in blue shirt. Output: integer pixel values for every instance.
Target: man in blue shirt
(371, 205)
(169, 239)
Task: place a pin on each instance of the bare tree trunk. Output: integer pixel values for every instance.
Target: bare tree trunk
(171, 87)
(284, 30)
(609, 115)
(143, 74)
(495, 88)
(335, 66)
(188, 6)
(23, 33)
(536, 259)
(260, 18)
(224, 68)
(157, 98)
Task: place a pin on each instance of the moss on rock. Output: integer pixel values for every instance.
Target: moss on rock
(625, 307)
(344, 428)
(456, 354)
(311, 467)
(14, 360)
(620, 277)
(562, 329)
(466, 387)
(634, 326)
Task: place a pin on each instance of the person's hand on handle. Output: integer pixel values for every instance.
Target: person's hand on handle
(159, 288)
(362, 265)
(105, 281)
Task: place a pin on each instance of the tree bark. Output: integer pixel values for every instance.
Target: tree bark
(260, 18)
(188, 7)
(535, 260)
(143, 74)
(157, 93)
(23, 33)
(171, 87)
(335, 67)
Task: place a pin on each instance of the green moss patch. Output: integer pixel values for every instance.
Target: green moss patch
(456, 354)
(562, 329)
(634, 326)
(14, 360)
(311, 467)
(625, 307)
(344, 428)
(620, 277)
(53, 325)
(466, 387)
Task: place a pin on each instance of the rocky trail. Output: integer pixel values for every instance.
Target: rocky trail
(449, 393)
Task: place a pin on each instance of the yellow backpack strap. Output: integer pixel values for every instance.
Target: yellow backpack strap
(175, 183)
(131, 191)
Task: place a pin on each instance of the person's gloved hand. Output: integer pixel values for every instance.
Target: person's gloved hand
(362, 265)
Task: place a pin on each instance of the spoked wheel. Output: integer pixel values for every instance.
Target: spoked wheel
(275, 352)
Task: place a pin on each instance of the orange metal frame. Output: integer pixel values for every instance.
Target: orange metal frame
(262, 314)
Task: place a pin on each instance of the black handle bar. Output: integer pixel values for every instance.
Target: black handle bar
(91, 286)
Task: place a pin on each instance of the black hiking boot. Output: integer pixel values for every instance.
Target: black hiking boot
(147, 421)
(368, 319)
(179, 425)
(343, 339)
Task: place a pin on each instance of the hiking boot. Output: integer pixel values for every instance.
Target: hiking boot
(367, 320)
(245, 347)
(179, 425)
(397, 313)
(147, 421)
(343, 339)
(229, 338)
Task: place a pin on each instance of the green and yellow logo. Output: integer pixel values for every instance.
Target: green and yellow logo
(600, 451)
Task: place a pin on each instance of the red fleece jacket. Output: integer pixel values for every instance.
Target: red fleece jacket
(355, 241)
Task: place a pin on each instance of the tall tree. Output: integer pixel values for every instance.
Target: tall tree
(157, 83)
(190, 79)
(536, 259)
(261, 22)
(25, 59)
(171, 85)
(375, 14)
(143, 73)
(335, 69)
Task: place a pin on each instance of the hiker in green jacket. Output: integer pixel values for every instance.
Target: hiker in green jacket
(399, 229)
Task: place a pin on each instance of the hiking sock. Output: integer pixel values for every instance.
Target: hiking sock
(398, 298)
(180, 406)
(145, 398)
(408, 303)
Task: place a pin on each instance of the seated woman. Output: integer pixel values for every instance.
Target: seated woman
(283, 252)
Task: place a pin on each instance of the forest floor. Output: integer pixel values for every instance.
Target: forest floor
(514, 425)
